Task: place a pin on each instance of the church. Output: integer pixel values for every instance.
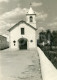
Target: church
(23, 34)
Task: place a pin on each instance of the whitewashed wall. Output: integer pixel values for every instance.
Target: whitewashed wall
(30, 34)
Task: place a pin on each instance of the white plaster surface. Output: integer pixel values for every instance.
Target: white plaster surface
(30, 34)
(49, 72)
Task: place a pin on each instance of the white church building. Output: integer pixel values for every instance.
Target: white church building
(23, 33)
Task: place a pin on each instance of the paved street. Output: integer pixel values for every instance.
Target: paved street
(19, 65)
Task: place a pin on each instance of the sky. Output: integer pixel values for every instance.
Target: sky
(12, 11)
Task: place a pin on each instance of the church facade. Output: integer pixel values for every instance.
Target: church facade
(23, 33)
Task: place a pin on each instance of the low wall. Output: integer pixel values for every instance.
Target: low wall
(49, 72)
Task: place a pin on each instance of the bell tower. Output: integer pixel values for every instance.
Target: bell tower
(31, 17)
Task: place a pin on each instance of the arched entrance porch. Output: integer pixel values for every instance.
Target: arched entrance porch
(22, 43)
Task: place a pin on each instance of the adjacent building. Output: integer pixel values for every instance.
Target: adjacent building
(3, 42)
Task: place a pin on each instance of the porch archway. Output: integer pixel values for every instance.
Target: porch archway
(22, 43)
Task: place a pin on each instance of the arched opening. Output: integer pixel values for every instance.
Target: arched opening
(31, 19)
(22, 43)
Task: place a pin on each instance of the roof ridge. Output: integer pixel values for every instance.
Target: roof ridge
(19, 23)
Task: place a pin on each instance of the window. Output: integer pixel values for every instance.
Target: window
(31, 40)
(31, 19)
(14, 42)
(22, 31)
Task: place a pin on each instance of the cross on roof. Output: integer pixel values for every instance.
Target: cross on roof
(30, 4)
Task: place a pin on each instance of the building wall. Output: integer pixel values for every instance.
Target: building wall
(30, 34)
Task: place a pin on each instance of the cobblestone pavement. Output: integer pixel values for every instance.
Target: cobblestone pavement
(19, 65)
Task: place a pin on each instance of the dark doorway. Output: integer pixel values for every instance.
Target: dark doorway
(22, 43)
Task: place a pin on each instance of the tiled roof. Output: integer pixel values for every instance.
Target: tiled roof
(19, 24)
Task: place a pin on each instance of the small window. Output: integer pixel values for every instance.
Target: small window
(22, 31)
(14, 42)
(31, 19)
(31, 40)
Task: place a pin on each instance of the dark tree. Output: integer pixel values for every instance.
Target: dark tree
(42, 36)
(54, 34)
(48, 34)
